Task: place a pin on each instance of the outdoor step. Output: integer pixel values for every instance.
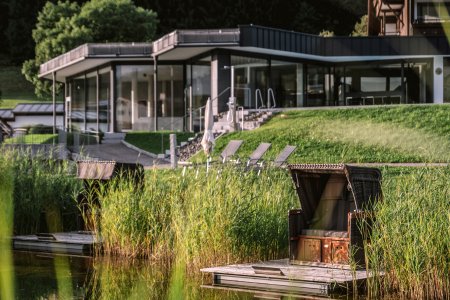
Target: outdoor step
(114, 135)
(112, 141)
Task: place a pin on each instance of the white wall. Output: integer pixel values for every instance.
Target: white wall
(22, 121)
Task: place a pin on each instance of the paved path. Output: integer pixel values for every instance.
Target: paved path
(121, 153)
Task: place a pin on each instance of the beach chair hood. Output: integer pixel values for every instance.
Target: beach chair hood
(362, 184)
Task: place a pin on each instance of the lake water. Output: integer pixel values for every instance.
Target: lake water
(43, 276)
(46, 276)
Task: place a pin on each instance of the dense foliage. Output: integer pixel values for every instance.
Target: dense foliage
(65, 25)
(18, 18)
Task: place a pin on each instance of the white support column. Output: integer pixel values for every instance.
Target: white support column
(112, 106)
(54, 101)
(134, 97)
(438, 73)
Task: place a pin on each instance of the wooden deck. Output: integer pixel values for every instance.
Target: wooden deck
(61, 242)
(280, 276)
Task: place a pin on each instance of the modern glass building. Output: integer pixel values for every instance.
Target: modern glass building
(164, 85)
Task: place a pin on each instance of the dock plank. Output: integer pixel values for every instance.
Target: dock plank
(280, 275)
(59, 242)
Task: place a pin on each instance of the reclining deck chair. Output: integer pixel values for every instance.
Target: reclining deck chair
(230, 150)
(281, 159)
(256, 156)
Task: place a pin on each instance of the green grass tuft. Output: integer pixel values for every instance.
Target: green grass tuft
(155, 142)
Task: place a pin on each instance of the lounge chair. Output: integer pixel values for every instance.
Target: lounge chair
(230, 150)
(281, 159)
(256, 156)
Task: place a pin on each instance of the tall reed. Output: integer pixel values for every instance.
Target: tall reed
(44, 190)
(6, 228)
(411, 239)
(222, 216)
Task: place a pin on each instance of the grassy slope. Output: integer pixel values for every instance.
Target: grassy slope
(151, 141)
(14, 87)
(409, 133)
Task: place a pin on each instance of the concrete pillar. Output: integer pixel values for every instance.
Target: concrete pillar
(438, 73)
(150, 111)
(173, 153)
(220, 80)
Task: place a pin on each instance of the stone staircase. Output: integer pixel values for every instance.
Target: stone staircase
(113, 138)
(252, 120)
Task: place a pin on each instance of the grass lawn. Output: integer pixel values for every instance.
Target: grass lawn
(155, 142)
(408, 133)
(34, 139)
(14, 87)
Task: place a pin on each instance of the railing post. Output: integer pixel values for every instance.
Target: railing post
(191, 120)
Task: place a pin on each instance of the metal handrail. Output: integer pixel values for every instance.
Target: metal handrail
(201, 108)
(270, 93)
(258, 93)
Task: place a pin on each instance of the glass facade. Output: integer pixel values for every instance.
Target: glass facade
(91, 102)
(121, 97)
(171, 97)
(446, 80)
(251, 78)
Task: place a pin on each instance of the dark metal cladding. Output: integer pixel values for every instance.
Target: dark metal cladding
(276, 39)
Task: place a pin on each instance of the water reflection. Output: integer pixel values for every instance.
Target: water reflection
(46, 276)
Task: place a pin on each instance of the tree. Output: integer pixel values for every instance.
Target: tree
(65, 25)
(117, 21)
(326, 33)
(361, 27)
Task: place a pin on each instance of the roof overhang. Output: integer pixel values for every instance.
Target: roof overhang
(89, 56)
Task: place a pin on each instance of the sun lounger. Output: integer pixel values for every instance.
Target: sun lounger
(281, 159)
(230, 150)
(256, 156)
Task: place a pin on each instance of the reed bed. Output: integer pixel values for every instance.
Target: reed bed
(411, 238)
(204, 219)
(6, 228)
(44, 192)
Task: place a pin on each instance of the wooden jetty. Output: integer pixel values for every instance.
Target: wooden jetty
(60, 242)
(280, 276)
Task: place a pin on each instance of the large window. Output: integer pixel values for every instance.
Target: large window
(315, 86)
(251, 77)
(134, 100)
(430, 11)
(78, 104)
(447, 80)
(91, 102)
(287, 83)
(171, 97)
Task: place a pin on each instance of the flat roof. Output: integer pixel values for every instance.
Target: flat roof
(181, 45)
(92, 55)
(6, 114)
(37, 108)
